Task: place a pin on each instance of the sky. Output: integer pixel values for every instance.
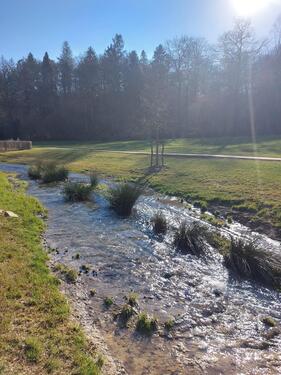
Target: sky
(37, 26)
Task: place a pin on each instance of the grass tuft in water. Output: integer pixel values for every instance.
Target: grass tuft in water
(126, 313)
(108, 302)
(123, 197)
(48, 172)
(202, 205)
(51, 172)
(69, 274)
(146, 325)
(169, 324)
(248, 260)
(159, 223)
(77, 192)
(132, 299)
(94, 179)
(35, 171)
(190, 239)
(269, 321)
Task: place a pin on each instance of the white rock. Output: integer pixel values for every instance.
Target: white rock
(10, 214)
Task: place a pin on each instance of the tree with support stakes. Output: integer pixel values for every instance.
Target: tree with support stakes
(156, 105)
(157, 154)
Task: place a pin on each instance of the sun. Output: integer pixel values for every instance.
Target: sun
(248, 8)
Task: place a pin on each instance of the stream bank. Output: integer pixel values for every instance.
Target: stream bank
(219, 326)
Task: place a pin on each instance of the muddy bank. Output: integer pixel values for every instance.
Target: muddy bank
(246, 219)
(218, 320)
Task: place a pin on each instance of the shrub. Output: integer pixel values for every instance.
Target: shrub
(190, 239)
(53, 173)
(159, 223)
(108, 302)
(123, 197)
(35, 171)
(32, 349)
(94, 179)
(77, 192)
(247, 259)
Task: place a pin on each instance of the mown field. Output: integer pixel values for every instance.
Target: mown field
(37, 335)
(230, 146)
(247, 190)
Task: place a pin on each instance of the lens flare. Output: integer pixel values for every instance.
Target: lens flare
(246, 8)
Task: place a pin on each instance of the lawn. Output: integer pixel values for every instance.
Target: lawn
(266, 146)
(37, 335)
(245, 188)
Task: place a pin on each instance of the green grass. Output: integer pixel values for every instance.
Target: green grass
(159, 223)
(108, 302)
(269, 321)
(126, 313)
(33, 349)
(169, 324)
(248, 186)
(77, 192)
(123, 197)
(69, 275)
(47, 172)
(190, 239)
(264, 146)
(249, 260)
(146, 325)
(36, 333)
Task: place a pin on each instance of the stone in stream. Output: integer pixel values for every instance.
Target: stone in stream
(168, 275)
(218, 292)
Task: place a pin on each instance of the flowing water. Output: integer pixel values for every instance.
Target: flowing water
(218, 326)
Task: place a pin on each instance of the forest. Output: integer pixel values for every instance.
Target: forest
(188, 88)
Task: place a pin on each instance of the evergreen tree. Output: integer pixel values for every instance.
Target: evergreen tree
(48, 88)
(88, 73)
(66, 69)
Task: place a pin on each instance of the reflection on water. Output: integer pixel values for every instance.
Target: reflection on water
(218, 320)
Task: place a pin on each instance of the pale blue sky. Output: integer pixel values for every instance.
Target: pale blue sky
(39, 26)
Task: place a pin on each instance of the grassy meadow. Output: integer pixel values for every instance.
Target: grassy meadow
(246, 189)
(266, 146)
(37, 334)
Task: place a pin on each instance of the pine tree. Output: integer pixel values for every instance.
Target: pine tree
(66, 69)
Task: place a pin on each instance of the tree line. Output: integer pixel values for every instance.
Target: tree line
(188, 88)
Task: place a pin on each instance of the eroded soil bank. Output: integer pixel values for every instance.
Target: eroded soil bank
(218, 319)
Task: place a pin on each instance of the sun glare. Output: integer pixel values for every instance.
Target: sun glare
(249, 7)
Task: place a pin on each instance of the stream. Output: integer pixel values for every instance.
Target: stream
(218, 319)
